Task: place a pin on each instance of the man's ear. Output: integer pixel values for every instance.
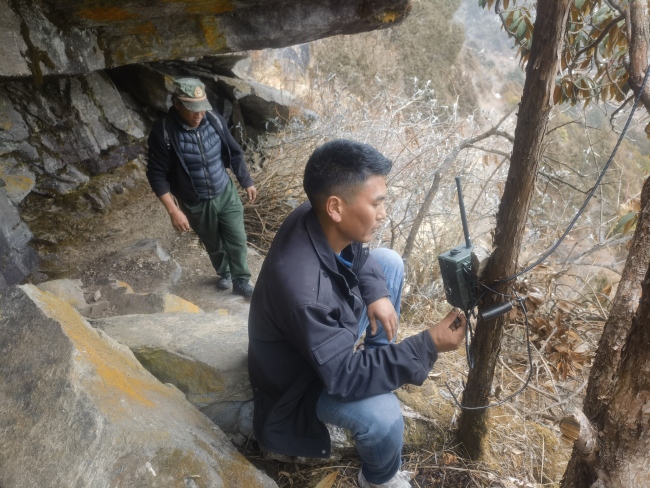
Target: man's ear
(333, 208)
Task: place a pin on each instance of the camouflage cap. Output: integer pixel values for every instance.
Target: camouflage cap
(191, 93)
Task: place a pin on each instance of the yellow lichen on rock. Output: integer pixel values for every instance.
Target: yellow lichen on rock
(173, 303)
(213, 36)
(147, 29)
(206, 6)
(116, 375)
(20, 183)
(103, 15)
(390, 16)
(124, 284)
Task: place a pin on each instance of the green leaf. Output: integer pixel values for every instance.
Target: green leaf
(522, 29)
(625, 223)
(579, 4)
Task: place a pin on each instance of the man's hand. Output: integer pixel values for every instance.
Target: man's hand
(251, 191)
(448, 334)
(179, 220)
(383, 311)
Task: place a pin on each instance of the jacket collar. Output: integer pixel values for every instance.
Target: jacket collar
(319, 241)
(323, 248)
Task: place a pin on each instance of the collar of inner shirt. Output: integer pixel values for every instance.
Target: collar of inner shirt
(343, 260)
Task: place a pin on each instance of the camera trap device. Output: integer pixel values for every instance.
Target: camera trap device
(461, 284)
(456, 267)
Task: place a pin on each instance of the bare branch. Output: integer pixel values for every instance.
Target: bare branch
(615, 6)
(602, 245)
(488, 150)
(506, 135)
(563, 401)
(571, 122)
(611, 118)
(433, 189)
(558, 180)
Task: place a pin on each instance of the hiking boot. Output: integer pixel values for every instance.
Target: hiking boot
(242, 287)
(402, 479)
(224, 283)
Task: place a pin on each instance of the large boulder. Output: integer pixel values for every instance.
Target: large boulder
(204, 355)
(114, 33)
(77, 409)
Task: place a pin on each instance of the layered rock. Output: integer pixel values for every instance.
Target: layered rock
(17, 258)
(204, 355)
(77, 409)
(58, 135)
(55, 37)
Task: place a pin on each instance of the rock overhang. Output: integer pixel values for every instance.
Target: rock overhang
(53, 37)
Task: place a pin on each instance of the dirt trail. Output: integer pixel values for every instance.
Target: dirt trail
(76, 241)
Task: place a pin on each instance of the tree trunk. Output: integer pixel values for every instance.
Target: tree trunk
(620, 378)
(541, 70)
(638, 49)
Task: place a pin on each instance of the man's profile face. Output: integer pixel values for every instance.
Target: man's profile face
(192, 119)
(363, 212)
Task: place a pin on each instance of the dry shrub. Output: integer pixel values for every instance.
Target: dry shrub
(415, 132)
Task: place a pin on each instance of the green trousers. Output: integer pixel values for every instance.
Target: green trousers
(219, 223)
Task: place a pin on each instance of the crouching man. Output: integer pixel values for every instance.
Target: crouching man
(316, 294)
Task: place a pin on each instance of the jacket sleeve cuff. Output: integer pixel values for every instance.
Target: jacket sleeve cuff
(159, 186)
(428, 351)
(246, 182)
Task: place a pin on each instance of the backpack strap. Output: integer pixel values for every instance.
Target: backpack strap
(168, 141)
(213, 116)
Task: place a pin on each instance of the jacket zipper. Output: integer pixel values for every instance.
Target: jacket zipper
(205, 163)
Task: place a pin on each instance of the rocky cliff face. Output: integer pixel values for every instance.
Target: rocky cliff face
(45, 37)
(82, 80)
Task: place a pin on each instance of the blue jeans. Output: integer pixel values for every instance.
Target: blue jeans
(376, 422)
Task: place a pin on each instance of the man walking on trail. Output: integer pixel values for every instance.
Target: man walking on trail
(189, 151)
(317, 292)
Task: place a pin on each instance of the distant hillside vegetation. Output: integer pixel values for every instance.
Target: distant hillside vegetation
(426, 46)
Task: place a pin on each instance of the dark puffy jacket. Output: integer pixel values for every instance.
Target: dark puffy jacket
(201, 151)
(302, 326)
(182, 170)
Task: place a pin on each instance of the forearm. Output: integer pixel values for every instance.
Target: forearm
(169, 203)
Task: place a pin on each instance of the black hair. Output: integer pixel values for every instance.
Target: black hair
(339, 167)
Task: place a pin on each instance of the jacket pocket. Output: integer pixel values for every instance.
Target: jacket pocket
(324, 287)
(341, 342)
